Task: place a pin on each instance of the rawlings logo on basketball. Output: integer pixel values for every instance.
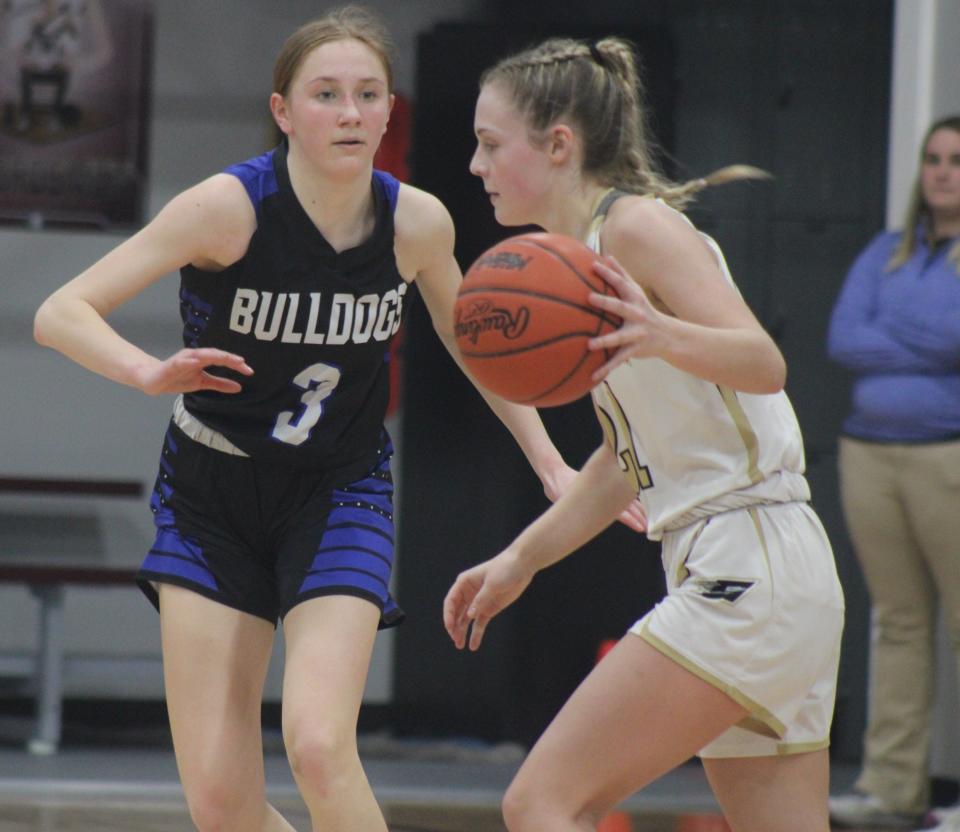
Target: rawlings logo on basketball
(503, 260)
(523, 319)
(482, 317)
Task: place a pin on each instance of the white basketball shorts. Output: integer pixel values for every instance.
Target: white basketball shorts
(755, 608)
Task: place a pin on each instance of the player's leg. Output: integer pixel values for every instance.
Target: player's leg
(638, 715)
(333, 566)
(215, 661)
(773, 794)
(751, 626)
(329, 641)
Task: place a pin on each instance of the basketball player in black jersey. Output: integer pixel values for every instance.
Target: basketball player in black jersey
(274, 494)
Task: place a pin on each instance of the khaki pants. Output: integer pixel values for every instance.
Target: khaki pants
(902, 509)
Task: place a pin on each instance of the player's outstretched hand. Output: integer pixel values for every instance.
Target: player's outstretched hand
(186, 371)
(479, 593)
(642, 332)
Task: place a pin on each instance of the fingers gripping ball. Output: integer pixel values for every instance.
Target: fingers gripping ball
(522, 319)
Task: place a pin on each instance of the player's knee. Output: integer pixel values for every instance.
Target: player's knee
(528, 806)
(321, 758)
(521, 808)
(216, 805)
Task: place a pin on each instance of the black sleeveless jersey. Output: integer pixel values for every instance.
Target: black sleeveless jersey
(314, 325)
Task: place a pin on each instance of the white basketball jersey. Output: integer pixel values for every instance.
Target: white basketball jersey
(692, 448)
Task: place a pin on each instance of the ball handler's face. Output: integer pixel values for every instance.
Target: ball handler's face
(515, 173)
(338, 106)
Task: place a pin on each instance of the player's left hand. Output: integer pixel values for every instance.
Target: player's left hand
(478, 594)
(560, 479)
(642, 333)
(634, 516)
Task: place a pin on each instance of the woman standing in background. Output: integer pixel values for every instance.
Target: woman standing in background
(896, 327)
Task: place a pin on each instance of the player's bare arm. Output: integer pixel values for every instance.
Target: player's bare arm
(598, 494)
(425, 238)
(678, 306)
(208, 225)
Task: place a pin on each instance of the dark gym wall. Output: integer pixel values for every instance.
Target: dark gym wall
(798, 87)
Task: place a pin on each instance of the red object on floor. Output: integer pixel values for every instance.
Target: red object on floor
(615, 822)
(701, 823)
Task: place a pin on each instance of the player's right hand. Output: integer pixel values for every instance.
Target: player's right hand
(478, 594)
(642, 333)
(186, 372)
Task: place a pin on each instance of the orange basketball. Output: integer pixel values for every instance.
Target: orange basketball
(522, 319)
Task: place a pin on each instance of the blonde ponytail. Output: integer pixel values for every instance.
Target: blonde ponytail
(678, 196)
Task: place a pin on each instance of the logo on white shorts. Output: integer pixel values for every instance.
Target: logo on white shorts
(722, 589)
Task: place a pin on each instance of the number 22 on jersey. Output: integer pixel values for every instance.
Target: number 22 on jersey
(616, 433)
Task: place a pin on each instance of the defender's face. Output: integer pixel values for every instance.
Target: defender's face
(338, 105)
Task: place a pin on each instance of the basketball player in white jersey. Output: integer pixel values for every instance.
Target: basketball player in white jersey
(739, 662)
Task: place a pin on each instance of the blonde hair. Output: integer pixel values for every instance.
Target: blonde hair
(918, 212)
(597, 87)
(346, 23)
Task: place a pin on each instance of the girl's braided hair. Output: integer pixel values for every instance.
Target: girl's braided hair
(596, 86)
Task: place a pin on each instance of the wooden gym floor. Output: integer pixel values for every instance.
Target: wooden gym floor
(422, 787)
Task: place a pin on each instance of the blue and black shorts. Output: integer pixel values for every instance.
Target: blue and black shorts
(261, 537)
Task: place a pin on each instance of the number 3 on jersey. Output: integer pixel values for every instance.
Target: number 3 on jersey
(319, 381)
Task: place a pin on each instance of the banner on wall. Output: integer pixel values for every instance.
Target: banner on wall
(74, 111)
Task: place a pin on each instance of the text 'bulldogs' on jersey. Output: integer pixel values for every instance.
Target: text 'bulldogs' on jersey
(351, 319)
